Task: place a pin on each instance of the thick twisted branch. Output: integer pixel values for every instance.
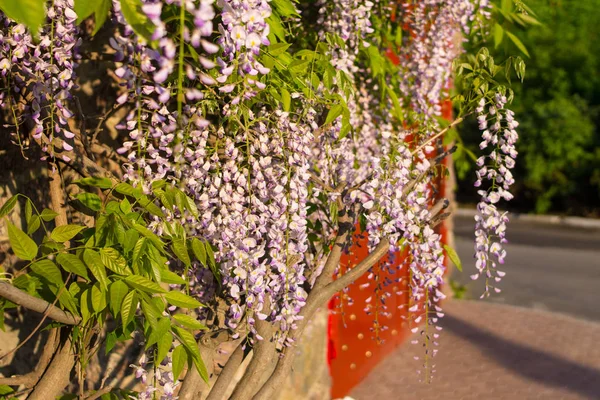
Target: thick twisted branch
(315, 300)
(23, 299)
(227, 374)
(30, 379)
(57, 376)
(193, 385)
(264, 360)
(345, 228)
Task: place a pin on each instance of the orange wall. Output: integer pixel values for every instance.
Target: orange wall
(359, 339)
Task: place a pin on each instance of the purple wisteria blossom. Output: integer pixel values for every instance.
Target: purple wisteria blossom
(43, 69)
(428, 51)
(499, 134)
(243, 31)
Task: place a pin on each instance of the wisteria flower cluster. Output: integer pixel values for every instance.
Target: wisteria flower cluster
(43, 70)
(258, 138)
(430, 49)
(243, 31)
(499, 134)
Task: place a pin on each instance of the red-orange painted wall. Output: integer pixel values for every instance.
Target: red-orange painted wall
(354, 347)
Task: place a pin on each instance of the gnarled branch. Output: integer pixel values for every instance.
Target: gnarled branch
(315, 300)
(30, 379)
(192, 386)
(264, 360)
(227, 374)
(57, 376)
(23, 299)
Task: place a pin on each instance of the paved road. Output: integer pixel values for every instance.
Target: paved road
(503, 352)
(495, 352)
(549, 267)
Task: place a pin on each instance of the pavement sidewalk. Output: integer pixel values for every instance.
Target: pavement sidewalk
(497, 352)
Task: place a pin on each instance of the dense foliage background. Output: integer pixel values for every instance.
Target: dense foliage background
(558, 108)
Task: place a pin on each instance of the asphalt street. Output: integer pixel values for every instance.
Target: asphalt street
(548, 267)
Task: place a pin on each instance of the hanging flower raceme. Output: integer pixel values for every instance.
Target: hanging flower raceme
(499, 134)
(351, 20)
(429, 49)
(44, 71)
(266, 171)
(153, 127)
(243, 30)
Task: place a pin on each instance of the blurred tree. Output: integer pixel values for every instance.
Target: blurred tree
(559, 110)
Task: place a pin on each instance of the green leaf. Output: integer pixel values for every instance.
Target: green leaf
(125, 206)
(94, 263)
(396, 102)
(117, 292)
(529, 19)
(65, 233)
(144, 284)
(149, 206)
(180, 249)
(128, 308)
(72, 263)
(189, 322)
(179, 359)
(33, 224)
(138, 251)
(128, 190)
(285, 8)
(200, 367)
(149, 235)
(211, 258)
(188, 203)
(83, 9)
(8, 206)
(131, 238)
(23, 246)
(199, 251)
(99, 300)
(376, 60)
(167, 276)
(111, 340)
(150, 311)
(90, 200)
(48, 215)
(276, 27)
(161, 329)
(100, 14)
(188, 340)
(182, 300)
(31, 13)
(299, 66)
(132, 11)
(67, 300)
(163, 346)
(334, 112)
(28, 210)
(102, 183)
(5, 389)
(85, 302)
(286, 99)
(498, 35)
(518, 43)
(278, 48)
(47, 270)
(114, 261)
(453, 257)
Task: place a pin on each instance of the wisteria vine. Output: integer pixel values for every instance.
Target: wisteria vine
(281, 143)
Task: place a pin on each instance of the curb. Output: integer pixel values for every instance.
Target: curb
(575, 222)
